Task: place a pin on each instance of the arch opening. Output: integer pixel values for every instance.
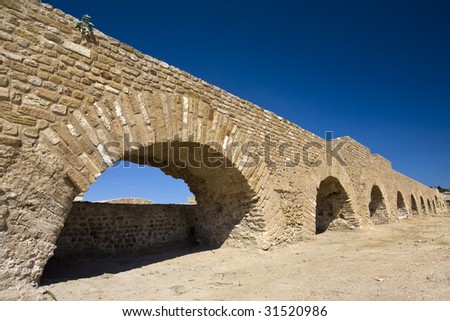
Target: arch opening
(333, 207)
(422, 205)
(429, 206)
(377, 206)
(414, 208)
(127, 182)
(402, 212)
(222, 194)
(434, 207)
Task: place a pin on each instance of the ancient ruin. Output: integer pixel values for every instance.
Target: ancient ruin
(70, 107)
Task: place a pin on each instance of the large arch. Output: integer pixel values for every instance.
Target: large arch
(377, 206)
(67, 158)
(414, 208)
(402, 212)
(333, 205)
(224, 196)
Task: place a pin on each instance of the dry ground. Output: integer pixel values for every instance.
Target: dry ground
(409, 260)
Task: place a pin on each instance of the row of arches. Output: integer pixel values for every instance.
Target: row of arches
(333, 205)
(378, 210)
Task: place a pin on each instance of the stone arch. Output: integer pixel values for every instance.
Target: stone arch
(402, 212)
(429, 206)
(414, 208)
(219, 187)
(434, 206)
(333, 205)
(145, 129)
(377, 206)
(438, 203)
(422, 206)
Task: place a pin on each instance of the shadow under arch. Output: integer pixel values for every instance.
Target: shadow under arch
(224, 198)
(422, 206)
(402, 212)
(377, 206)
(223, 195)
(333, 206)
(414, 208)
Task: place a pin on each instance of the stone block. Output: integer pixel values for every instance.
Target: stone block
(11, 55)
(32, 100)
(4, 93)
(69, 102)
(78, 179)
(37, 113)
(31, 132)
(59, 109)
(11, 141)
(4, 81)
(52, 37)
(77, 48)
(48, 95)
(34, 80)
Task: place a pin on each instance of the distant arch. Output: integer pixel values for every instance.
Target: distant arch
(414, 208)
(402, 212)
(333, 205)
(377, 206)
(429, 206)
(422, 206)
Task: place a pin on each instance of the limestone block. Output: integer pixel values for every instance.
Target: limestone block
(77, 48)
(4, 93)
(59, 109)
(34, 80)
(4, 81)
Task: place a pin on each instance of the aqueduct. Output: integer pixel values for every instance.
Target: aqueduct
(70, 107)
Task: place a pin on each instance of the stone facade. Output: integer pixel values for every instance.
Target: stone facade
(105, 228)
(70, 107)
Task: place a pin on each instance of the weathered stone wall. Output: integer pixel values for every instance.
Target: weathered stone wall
(102, 228)
(70, 107)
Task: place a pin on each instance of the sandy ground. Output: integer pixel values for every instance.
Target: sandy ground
(409, 260)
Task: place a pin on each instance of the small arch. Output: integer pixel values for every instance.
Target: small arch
(422, 205)
(333, 205)
(429, 205)
(377, 206)
(414, 208)
(434, 207)
(402, 212)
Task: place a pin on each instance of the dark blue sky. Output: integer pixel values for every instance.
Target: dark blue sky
(378, 71)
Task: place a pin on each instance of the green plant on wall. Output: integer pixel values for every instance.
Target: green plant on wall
(84, 26)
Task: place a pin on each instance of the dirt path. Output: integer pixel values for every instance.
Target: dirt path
(403, 261)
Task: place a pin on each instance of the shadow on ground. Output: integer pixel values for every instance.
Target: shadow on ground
(73, 268)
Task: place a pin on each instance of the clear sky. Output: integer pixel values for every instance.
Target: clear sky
(375, 70)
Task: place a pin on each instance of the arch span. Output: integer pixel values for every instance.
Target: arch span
(333, 205)
(422, 206)
(402, 212)
(377, 206)
(414, 208)
(429, 210)
(224, 196)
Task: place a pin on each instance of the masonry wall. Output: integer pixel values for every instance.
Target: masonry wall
(102, 228)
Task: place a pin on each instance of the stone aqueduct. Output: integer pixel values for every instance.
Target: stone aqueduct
(64, 100)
